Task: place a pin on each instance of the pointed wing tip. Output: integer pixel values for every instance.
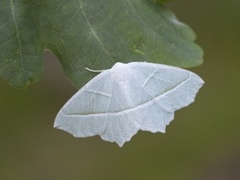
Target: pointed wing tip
(201, 82)
(57, 120)
(56, 125)
(198, 79)
(119, 143)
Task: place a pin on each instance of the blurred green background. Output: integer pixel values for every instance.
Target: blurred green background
(202, 143)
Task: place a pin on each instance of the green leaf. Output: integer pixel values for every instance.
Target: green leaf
(159, 1)
(89, 33)
(20, 46)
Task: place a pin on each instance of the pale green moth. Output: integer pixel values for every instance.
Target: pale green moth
(126, 98)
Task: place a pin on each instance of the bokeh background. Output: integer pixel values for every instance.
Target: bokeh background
(202, 143)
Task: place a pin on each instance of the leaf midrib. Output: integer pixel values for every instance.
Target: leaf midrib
(93, 31)
(17, 36)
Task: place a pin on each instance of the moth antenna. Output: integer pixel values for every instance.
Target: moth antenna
(92, 70)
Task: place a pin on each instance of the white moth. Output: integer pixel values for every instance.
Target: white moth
(126, 98)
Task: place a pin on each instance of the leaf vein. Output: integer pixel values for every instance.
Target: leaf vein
(93, 31)
(9, 40)
(17, 35)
